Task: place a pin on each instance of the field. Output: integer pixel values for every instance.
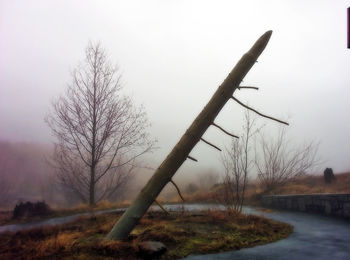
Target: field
(182, 233)
(304, 185)
(315, 184)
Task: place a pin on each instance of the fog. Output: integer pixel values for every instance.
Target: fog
(173, 55)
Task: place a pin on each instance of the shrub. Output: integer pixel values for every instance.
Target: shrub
(29, 209)
(328, 175)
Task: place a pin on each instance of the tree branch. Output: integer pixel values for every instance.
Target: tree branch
(161, 207)
(248, 87)
(205, 141)
(260, 114)
(191, 158)
(235, 136)
(178, 190)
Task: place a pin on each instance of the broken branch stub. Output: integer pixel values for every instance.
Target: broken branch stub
(161, 207)
(209, 143)
(234, 136)
(178, 190)
(192, 158)
(247, 87)
(257, 112)
(192, 136)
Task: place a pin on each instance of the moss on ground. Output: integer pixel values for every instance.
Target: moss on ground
(183, 234)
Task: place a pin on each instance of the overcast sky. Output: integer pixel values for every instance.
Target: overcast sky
(173, 55)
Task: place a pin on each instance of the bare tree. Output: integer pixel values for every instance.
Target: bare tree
(237, 164)
(279, 161)
(99, 132)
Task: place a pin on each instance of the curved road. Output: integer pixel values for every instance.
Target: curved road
(314, 237)
(66, 219)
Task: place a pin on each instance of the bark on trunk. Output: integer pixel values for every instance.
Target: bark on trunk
(182, 149)
(92, 187)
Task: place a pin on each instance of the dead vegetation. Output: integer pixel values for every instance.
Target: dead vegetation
(6, 217)
(183, 234)
(316, 184)
(308, 184)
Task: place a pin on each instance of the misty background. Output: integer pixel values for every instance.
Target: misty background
(172, 56)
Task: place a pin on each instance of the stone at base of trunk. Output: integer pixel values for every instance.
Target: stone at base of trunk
(150, 249)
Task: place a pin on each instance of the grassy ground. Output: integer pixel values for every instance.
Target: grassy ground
(6, 216)
(304, 185)
(315, 184)
(182, 233)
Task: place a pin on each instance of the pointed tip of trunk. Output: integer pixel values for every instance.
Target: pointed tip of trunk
(266, 36)
(261, 43)
(269, 32)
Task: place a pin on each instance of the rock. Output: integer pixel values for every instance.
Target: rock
(150, 249)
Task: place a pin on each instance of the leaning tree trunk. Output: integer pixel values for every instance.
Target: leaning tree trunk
(182, 149)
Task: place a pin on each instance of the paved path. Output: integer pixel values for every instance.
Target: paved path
(49, 222)
(314, 237)
(66, 219)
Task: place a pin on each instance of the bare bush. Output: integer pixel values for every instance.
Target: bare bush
(280, 162)
(99, 132)
(29, 209)
(237, 164)
(328, 176)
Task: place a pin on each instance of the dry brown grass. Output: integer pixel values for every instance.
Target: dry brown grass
(203, 232)
(6, 216)
(316, 184)
(308, 184)
(48, 242)
(84, 207)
